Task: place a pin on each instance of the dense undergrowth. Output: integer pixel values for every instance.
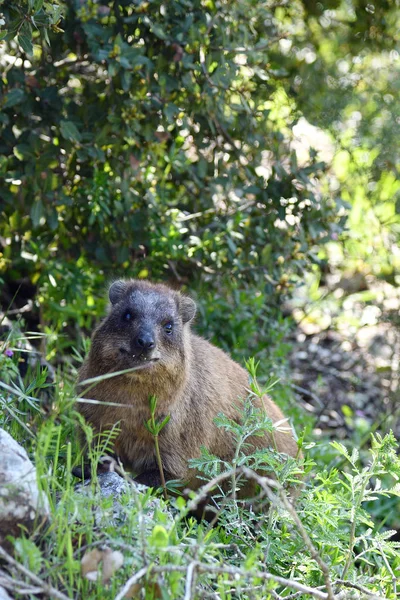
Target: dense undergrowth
(335, 542)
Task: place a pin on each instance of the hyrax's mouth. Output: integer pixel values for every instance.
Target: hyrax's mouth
(141, 360)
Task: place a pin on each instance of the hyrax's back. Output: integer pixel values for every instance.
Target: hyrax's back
(148, 329)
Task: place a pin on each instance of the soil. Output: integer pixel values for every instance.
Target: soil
(345, 365)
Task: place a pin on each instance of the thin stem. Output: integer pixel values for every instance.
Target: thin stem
(353, 522)
(160, 467)
(389, 568)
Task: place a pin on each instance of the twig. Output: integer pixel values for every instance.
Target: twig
(252, 588)
(174, 271)
(16, 311)
(278, 497)
(258, 574)
(301, 390)
(131, 581)
(15, 585)
(225, 570)
(205, 489)
(389, 568)
(244, 50)
(360, 588)
(275, 595)
(266, 485)
(47, 589)
(190, 580)
(342, 376)
(298, 594)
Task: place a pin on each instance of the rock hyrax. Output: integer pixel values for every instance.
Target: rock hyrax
(148, 327)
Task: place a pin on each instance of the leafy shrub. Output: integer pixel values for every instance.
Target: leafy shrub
(153, 140)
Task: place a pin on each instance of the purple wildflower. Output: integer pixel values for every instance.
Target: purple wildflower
(9, 352)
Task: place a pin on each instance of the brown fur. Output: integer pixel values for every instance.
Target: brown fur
(192, 380)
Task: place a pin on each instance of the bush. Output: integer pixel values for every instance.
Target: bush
(153, 141)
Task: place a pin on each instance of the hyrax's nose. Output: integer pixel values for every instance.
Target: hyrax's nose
(145, 341)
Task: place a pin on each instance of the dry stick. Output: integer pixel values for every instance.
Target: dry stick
(309, 393)
(190, 580)
(202, 568)
(252, 588)
(389, 568)
(131, 581)
(266, 486)
(275, 595)
(298, 594)
(205, 568)
(205, 489)
(360, 588)
(48, 589)
(17, 586)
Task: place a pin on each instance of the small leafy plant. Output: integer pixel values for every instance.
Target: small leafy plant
(154, 428)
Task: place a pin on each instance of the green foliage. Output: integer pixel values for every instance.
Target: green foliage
(26, 21)
(154, 427)
(155, 140)
(244, 553)
(348, 56)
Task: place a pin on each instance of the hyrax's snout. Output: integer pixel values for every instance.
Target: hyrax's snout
(144, 341)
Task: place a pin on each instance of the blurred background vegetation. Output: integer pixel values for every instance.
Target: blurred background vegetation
(235, 149)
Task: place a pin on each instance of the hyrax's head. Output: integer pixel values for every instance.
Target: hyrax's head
(145, 327)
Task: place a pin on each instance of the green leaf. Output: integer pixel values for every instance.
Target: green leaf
(148, 425)
(14, 96)
(52, 219)
(40, 19)
(341, 448)
(69, 131)
(159, 537)
(46, 36)
(170, 111)
(13, 27)
(153, 403)
(29, 554)
(23, 151)
(163, 422)
(37, 212)
(158, 31)
(25, 37)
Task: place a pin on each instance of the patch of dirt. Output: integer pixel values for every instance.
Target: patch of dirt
(347, 374)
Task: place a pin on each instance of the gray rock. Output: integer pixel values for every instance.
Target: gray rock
(21, 503)
(111, 484)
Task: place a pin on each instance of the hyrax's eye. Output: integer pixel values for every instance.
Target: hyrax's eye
(127, 316)
(168, 328)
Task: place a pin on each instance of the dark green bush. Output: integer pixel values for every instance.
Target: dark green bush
(153, 139)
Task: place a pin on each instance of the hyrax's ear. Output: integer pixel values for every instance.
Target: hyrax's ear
(116, 291)
(187, 308)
